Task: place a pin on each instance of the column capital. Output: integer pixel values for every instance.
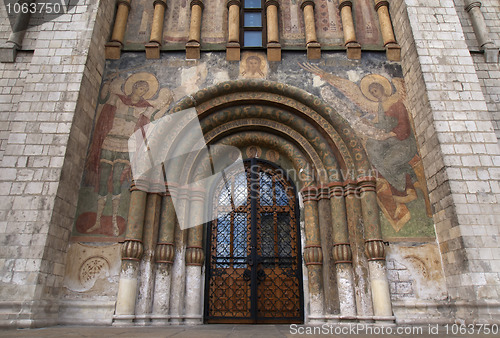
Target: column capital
(313, 255)
(375, 250)
(132, 250)
(194, 256)
(197, 3)
(344, 3)
(164, 253)
(342, 253)
(380, 3)
(160, 2)
(307, 3)
(470, 4)
(124, 2)
(233, 2)
(272, 3)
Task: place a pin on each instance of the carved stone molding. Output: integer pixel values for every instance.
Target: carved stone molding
(313, 255)
(132, 250)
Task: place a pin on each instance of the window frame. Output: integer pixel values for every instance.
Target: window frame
(262, 29)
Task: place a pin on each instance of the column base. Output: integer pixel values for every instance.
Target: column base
(353, 51)
(123, 320)
(233, 51)
(273, 51)
(313, 51)
(152, 50)
(8, 52)
(491, 54)
(113, 50)
(193, 50)
(393, 52)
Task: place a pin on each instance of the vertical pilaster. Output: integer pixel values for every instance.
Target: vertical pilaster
(392, 48)
(164, 257)
(273, 38)
(114, 46)
(193, 44)
(313, 255)
(352, 45)
(233, 39)
(146, 290)
(156, 38)
(342, 253)
(481, 30)
(312, 44)
(375, 252)
(364, 306)
(194, 259)
(132, 250)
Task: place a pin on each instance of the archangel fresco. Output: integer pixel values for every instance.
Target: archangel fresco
(382, 122)
(126, 106)
(130, 98)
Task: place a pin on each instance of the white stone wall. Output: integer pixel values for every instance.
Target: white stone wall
(42, 155)
(459, 149)
(488, 73)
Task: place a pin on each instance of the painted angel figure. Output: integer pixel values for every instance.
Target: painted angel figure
(128, 107)
(385, 127)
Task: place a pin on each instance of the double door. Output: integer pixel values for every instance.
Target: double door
(254, 270)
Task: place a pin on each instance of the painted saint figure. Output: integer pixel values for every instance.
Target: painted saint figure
(388, 139)
(108, 163)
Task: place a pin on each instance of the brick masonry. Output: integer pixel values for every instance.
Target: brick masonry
(488, 73)
(47, 105)
(51, 102)
(458, 145)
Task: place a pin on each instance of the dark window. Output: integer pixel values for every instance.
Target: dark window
(253, 19)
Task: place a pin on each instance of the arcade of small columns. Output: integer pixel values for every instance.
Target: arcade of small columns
(114, 46)
(161, 277)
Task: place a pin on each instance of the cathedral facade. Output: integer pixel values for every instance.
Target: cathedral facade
(250, 161)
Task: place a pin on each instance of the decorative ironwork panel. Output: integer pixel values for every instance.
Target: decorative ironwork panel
(253, 260)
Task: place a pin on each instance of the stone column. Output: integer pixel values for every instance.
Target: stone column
(273, 36)
(194, 259)
(352, 45)
(393, 50)
(375, 252)
(313, 255)
(146, 292)
(114, 46)
(193, 44)
(164, 256)
(342, 253)
(364, 306)
(481, 30)
(156, 38)
(132, 250)
(8, 51)
(233, 39)
(312, 44)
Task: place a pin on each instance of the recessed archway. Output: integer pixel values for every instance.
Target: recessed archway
(340, 212)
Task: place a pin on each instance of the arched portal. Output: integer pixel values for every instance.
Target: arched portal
(343, 250)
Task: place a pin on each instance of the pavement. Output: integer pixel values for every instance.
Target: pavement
(240, 331)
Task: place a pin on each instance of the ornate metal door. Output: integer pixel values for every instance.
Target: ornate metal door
(254, 270)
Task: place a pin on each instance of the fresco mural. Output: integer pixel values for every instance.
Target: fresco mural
(383, 123)
(253, 66)
(291, 21)
(369, 93)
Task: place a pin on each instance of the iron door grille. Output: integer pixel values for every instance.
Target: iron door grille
(254, 270)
